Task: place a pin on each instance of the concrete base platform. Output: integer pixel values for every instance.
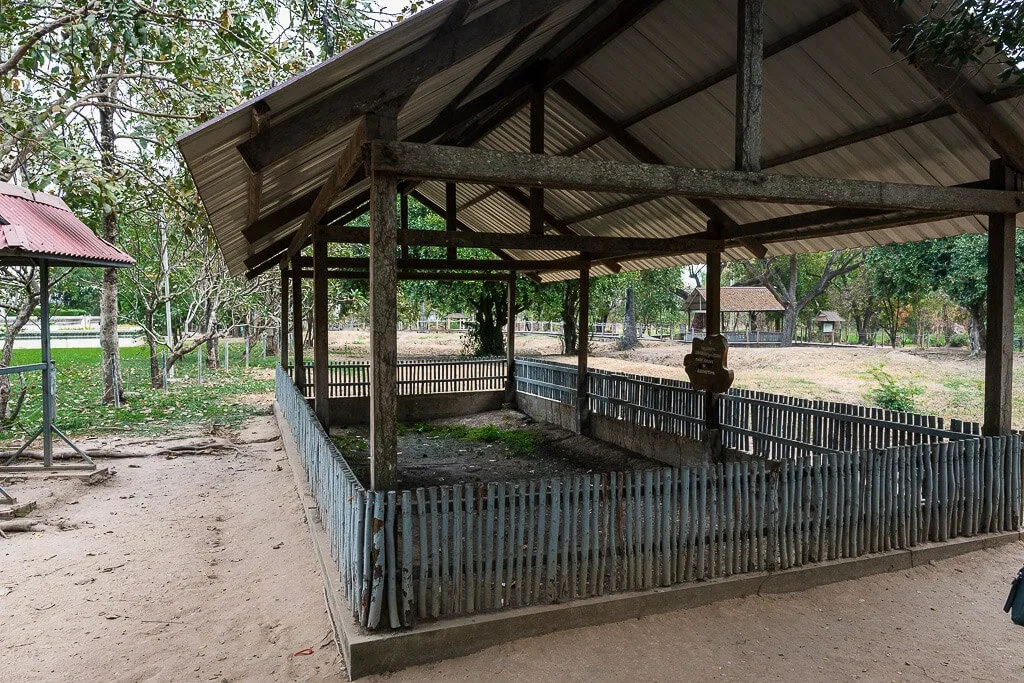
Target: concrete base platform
(368, 654)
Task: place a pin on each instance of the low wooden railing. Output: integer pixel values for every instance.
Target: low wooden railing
(434, 376)
(767, 425)
(415, 555)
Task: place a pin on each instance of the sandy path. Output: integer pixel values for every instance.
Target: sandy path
(934, 623)
(196, 568)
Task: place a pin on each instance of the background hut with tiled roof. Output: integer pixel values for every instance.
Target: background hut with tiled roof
(748, 314)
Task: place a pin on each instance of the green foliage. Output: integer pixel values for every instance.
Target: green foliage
(519, 441)
(146, 410)
(892, 393)
(958, 340)
(962, 33)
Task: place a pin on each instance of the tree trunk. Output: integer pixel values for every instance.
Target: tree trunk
(155, 371)
(109, 343)
(976, 330)
(788, 326)
(629, 336)
(489, 318)
(570, 303)
(10, 334)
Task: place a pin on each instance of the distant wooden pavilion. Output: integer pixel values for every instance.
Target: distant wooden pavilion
(733, 303)
(829, 324)
(756, 129)
(38, 229)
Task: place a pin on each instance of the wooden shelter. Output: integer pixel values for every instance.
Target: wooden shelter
(733, 303)
(792, 128)
(38, 229)
(829, 323)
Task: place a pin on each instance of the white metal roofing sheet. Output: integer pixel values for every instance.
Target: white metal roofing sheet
(837, 82)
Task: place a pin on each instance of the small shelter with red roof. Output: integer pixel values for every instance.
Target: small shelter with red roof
(38, 229)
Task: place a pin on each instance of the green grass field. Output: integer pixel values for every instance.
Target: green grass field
(146, 410)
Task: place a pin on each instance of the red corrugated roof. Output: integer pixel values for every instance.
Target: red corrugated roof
(39, 225)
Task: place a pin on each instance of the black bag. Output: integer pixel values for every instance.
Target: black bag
(1015, 601)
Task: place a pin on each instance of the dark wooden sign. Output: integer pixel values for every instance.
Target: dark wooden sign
(706, 366)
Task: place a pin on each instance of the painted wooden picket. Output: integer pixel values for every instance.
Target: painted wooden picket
(435, 376)
(411, 556)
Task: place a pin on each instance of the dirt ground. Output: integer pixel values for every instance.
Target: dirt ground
(200, 568)
(430, 458)
(942, 622)
(952, 384)
(191, 568)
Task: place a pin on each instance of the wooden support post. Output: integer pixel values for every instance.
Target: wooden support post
(404, 218)
(300, 374)
(321, 352)
(283, 335)
(451, 221)
(749, 84)
(510, 346)
(1002, 233)
(582, 401)
(537, 147)
(384, 322)
(713, 326)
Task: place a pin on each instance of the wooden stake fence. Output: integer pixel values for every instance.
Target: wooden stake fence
(410, 556)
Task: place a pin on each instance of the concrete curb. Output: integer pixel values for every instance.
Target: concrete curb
(367, 654)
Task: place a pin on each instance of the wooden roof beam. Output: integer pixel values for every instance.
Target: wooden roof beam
(509, 168)
(520, 265)
(932, 113)
(401, 76)
(336, 274)
(527, 241)
(796, 37)
(350, 161)
(1003, 137)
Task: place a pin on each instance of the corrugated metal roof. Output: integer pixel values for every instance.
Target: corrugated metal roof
(841, 79)
(737, 300)
(39, 225)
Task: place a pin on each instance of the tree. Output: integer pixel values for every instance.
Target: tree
(797, 281)
(962, 33)
(93, 94)
(629, 337)
(955, 266)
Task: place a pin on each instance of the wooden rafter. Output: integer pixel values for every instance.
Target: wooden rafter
(784, 43)
(395, 79)
(507, 168)
(524, 265)
(527, 241)
(1003, 137)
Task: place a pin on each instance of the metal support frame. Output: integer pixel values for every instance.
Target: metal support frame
(49, 384)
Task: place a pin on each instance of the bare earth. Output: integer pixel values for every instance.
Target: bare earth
(933, 623)
(195, 568)
(200, 568)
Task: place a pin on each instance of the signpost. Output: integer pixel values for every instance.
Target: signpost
(707, 370)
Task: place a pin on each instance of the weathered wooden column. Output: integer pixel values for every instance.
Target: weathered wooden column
(713, 327)
(583, 337)
(321, 349)
(537, 147)
(283, 332)
(300, 372)
(403, 208)
(1002, 233)
(383, 313)
(510, 346)
(451, 208)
